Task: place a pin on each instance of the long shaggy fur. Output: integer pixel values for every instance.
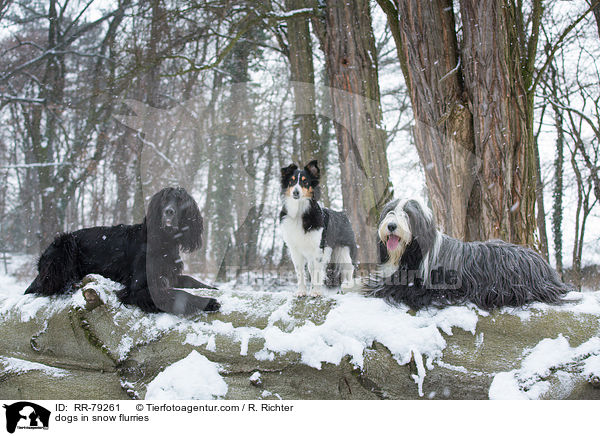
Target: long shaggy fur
(429, 268)
(143, 257)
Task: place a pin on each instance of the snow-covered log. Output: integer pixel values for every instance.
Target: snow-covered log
(270, 344)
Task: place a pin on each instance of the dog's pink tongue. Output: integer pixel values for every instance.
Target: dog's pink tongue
(392, 242)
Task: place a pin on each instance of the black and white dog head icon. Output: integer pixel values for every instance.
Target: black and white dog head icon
(26, 414)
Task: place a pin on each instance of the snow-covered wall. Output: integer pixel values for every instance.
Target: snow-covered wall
(270, 344)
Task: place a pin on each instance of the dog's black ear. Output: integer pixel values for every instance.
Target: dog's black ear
(191, 223)
(313, 169)
(286, 173)
(153, 215)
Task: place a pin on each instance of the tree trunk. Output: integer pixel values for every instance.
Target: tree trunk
(326, 138)
(43, 144)
(303, 81)
(502, 120)
(443, 129)
(576, 267)
(597, 15)
(149, 93)
(347, 39)
(121, 169)
(242, 235)
(541, 210)
(557, 194)
(473, 112)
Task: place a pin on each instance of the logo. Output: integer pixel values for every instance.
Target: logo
(26, 415)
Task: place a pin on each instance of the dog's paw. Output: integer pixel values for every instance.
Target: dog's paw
(301, 292)
(316, 292)
(212, 305)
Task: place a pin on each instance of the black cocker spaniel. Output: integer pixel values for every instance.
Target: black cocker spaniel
(143, 257)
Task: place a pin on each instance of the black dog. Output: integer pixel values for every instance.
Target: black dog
(143, 257)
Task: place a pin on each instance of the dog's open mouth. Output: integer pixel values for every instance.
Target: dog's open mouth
(392, 242)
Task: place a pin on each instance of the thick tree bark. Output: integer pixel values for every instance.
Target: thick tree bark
(300, 54)
(443, 125)
(473, 113)
(347, 39)
(502, 120)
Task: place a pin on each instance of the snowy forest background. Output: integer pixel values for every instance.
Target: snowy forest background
(104, 102)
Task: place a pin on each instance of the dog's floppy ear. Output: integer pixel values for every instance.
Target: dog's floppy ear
(286, 173)
(153, 215)
(382, 249)
(313, 169)
(422, 225)
(190, 223)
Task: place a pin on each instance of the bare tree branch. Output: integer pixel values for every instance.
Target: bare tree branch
(558, 44)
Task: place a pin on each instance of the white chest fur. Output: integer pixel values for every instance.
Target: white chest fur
(304, 246)
(305, 243)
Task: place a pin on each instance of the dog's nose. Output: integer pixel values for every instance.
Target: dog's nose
(169, 211)
(296, 194)
(392, 226)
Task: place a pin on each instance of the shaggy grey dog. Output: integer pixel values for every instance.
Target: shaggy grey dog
(420, 266)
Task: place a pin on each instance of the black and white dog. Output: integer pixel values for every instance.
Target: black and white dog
(143, 257)
(420, 266)
(319, 237)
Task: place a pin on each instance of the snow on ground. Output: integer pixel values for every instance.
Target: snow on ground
(192, 378)
(9, 285)
(351, 326)
(587, 302)
(19, 366)
(530, 381)
(591, 369)
(11, 293)
(255, 378)
(266, 394)
(26, 307)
